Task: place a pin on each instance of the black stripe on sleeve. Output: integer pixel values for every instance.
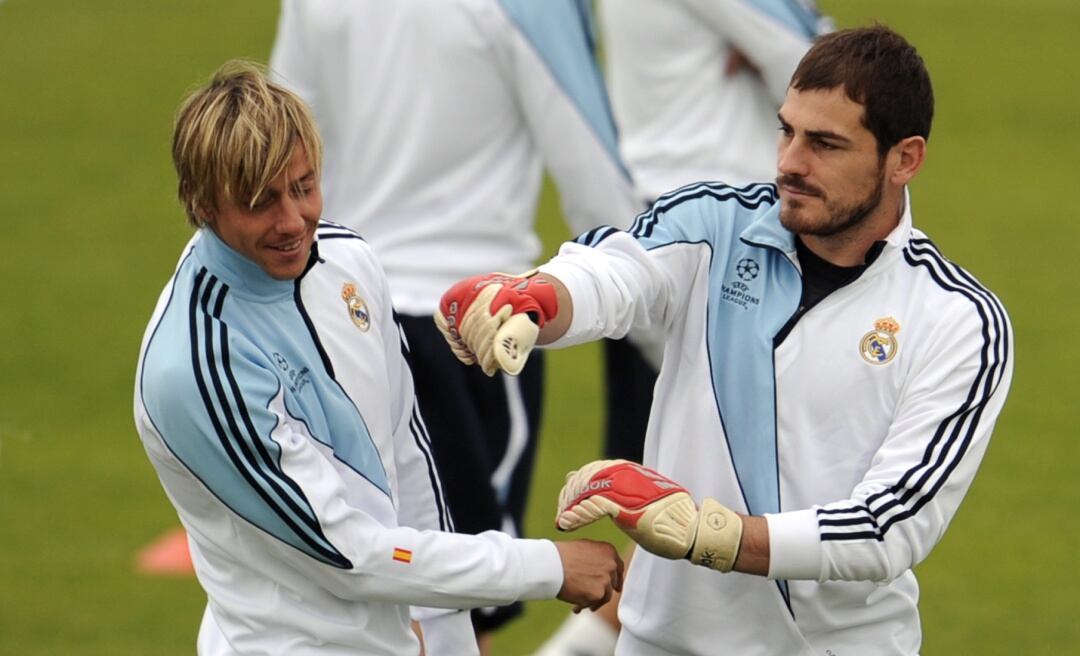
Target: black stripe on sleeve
(954, 434)
(751, 197)
(596, 235)
(423, 439)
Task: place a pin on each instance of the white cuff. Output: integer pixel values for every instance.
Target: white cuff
(794, 545)
(543, 572)
(584, 299)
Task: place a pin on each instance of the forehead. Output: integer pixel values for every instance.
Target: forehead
(824, 110)
(295, 169)
(299, 163)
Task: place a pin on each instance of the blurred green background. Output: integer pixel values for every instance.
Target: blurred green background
(91, 232)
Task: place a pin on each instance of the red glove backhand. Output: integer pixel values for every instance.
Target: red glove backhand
(631, 486)
(494, 319)
(655, 511)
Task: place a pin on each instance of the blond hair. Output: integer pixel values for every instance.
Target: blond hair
(232, 137)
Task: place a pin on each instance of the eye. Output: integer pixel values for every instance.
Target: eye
(824, 145)
(303, 187)
(262, 204)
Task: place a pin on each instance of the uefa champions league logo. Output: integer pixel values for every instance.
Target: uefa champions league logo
(747, 269)
(738, 290)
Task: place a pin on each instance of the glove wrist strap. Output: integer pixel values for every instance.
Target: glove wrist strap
(719, 534)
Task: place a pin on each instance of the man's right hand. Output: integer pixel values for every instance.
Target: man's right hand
(493, 320)
(592, 571)
(655, 511)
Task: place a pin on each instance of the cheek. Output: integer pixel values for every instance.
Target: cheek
(314, 206)
(850, 181)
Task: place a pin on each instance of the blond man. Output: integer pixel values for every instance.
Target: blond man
(274, 399)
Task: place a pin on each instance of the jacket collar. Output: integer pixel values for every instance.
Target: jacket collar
(238, 272)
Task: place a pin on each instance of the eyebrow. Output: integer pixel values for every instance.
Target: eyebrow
(817, 134)
(304, 179)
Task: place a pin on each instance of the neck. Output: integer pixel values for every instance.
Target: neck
(848, 248)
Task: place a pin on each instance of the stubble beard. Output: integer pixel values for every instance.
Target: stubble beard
(839, 218)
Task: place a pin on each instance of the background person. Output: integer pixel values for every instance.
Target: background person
(695, 85)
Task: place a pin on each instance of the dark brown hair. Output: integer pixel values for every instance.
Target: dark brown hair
(879, 70)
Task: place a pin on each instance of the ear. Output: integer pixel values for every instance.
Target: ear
(206, 218)
(907, 158)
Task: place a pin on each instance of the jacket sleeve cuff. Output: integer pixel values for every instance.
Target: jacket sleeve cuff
(583, 326)
(543, 575)
(794, 545)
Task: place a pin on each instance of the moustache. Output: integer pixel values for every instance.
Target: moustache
(796, 182)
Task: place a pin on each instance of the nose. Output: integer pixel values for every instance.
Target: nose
(290, 219)
(791, 158)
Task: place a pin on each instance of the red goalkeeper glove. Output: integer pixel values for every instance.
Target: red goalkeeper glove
(493, 320)
(655, 511)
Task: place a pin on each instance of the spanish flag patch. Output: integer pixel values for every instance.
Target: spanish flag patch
(402, 555)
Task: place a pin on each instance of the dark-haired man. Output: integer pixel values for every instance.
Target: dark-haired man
(829, 386)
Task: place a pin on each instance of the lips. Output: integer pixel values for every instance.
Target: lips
(289, 246)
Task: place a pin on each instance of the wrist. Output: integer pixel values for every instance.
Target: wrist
(544, 305)
(719, 537)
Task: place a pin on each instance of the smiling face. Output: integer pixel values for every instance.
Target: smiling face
(278, 229)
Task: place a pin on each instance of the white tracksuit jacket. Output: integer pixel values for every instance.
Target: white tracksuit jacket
(857, 436)
(281, 420)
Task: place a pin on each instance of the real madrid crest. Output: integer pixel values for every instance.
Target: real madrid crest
(358, 310)
(879, 346)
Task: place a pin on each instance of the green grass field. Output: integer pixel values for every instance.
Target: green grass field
(91, 232)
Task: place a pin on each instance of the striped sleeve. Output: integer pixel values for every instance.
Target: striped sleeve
(422, 501)
(927, 462)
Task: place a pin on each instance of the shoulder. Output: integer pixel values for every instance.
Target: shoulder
(960, 315)
(338, 241)
(941, 275)
(704, 209)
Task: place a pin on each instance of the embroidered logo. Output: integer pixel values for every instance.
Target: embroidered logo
(736, 291)
(358, 310)
(297, 377)
(879, 346)
(747, 269)
(402, 555)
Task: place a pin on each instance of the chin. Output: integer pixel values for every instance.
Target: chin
(287, 274)
(796, 220)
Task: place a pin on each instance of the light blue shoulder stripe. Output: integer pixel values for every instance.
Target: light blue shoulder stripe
(753, 290)
(561, 33)
(801, 16)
